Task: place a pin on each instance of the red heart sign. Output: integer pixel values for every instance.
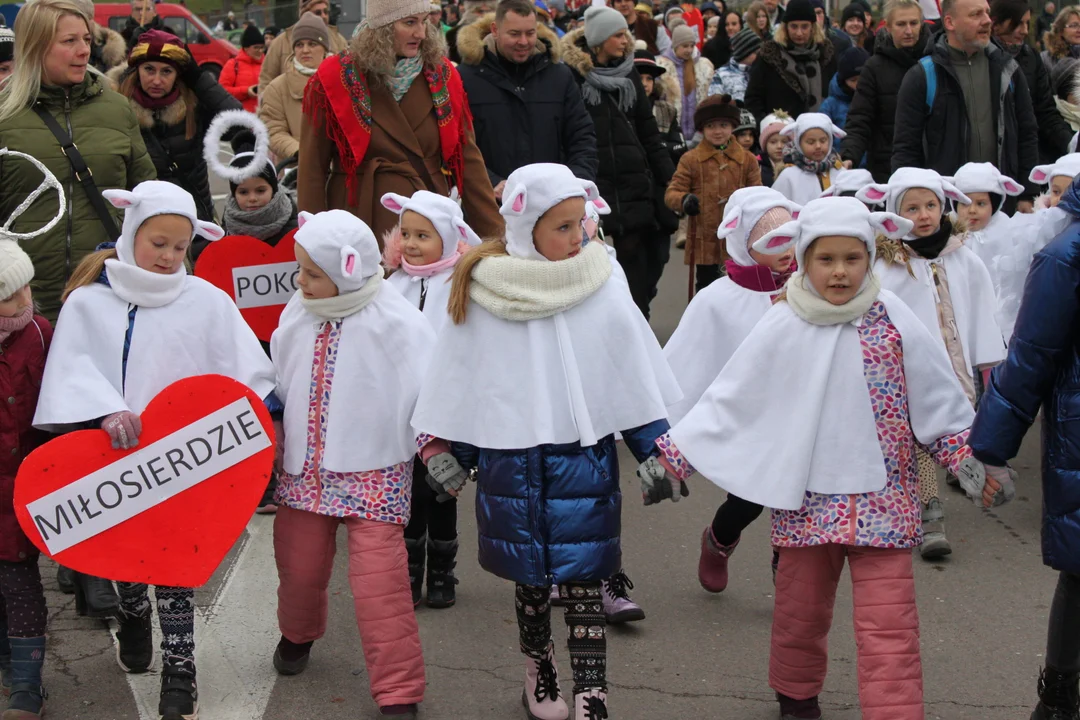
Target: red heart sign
(259, 278)
(178, 527)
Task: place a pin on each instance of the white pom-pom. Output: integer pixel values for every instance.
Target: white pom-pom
(222, 123)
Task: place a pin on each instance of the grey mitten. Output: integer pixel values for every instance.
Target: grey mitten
(445, 474)
(972, 476)
(1006, 477)
(658, 484)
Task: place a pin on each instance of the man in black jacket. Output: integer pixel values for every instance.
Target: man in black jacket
(143, 17)
(872, 114)
(526, 104)
(1045, 22)
(979, 104)
(1011, 20)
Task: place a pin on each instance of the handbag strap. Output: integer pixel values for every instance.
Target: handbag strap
(82, 172)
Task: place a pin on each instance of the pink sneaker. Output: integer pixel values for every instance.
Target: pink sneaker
(712, 567)
(618, 607)
(541, 696)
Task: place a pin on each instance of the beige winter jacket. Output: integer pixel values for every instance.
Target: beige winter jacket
(281, 109)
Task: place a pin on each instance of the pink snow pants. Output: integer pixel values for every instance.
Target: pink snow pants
(304, 545)
(886, 627)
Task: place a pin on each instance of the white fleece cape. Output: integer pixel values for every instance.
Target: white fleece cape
(798, 185)
(576, 376)
(768, 434)
(715, 323)
(973, 299)
(198, 333)
(436, 298)
(383, 351)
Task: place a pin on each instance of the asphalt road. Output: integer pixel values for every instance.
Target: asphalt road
(696, 656)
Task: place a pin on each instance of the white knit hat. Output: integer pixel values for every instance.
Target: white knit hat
(984, 177)
(342, 245)
(812, 121)
(383, 12)
(16, 268)
(1066, 165)
(530, 192)
(843, 216)
(744, 208)
(771, 125)
(848, 181)
(906, 179)
(151, 198)
(441, 211)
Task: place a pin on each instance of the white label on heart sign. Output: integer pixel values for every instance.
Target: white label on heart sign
(262, 285)
(149, 476)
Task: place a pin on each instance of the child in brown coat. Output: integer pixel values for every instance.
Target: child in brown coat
(705, 179)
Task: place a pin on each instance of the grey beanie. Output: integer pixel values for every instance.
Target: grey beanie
(601, 23)
(744, 43)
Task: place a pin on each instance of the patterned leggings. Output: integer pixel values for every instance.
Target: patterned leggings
(585, 625)
(928, 487)
(176, 616)
(23, 613)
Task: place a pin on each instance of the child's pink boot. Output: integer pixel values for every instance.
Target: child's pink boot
(591, 705)
(712, 570)
(541, 696)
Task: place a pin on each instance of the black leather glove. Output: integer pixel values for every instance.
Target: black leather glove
(691, 206)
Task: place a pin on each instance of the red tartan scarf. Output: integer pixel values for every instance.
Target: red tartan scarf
(339, 92)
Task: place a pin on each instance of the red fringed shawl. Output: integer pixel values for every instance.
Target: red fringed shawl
(339, 91)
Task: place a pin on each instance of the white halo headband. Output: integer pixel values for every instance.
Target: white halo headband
(48, 182)
(225, 121)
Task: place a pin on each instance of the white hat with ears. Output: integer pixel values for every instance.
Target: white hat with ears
(848, 181)
(845, 216)
(530, 192)
(984, 177)
(743, 210)
(1066, 165)
(906, 179)
(151, 198)
(342, 245)
(443, 213)
(812, 121)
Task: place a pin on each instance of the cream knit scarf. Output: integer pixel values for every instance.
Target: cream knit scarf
(519, 289)
(345, 304)
(816, 310)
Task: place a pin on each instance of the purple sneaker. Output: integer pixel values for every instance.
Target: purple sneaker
(618, 607)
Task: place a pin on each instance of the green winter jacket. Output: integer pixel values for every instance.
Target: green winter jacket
(106, 132)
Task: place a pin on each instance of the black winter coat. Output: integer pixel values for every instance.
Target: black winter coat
(872, 115)
(771, 87)
(178, 159)
(634, 161)
(938, 140)
(527, 113)
(1054, 132)
(132, 30)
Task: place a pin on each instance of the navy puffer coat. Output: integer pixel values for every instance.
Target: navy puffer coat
(1043, 370)
(552, 513)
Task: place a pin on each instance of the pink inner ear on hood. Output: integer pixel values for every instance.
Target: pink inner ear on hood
(518, 204)
(350, 264)
(874, 193)
(778, 240)
(1013, 187)
(795, 214)
(732, 223)
(120, 202)
(392, 205)
(599, 202)
(1039, 176)
(889, 225)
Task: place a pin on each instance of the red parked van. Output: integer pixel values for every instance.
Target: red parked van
(210, 52)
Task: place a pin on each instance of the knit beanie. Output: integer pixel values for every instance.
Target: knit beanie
(671, 13)
(853, 10)
(243, 159)
(311, 27)
(745, 212)
(272, 30)
(800, 10)
(601, 23)
(149, 199)
(1066, 165)
(850, 63)
(159, 46)
(772, 219)
(744, 43)
(381, 13)
(683, 35)
(442, 212)
(342, 245)
(530, 192)
(716, 107)
(746, 121)
(252, 36)
(773, 123)
(16, 269)
(7, 45)
(677, 21)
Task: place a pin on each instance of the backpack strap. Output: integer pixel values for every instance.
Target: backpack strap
(930, 71)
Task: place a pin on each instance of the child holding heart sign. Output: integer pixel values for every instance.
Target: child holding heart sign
(423, 249)
(177, 326)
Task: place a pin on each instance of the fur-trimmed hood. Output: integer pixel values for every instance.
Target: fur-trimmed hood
(113, 47)
(575, 51)
(476, 37)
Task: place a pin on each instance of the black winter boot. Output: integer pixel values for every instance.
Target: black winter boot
(179, 694)
(1059, 696)
(135, 642)
(291, 658)
(416, 549)
(65, 580)
(95, 597)
(442, 556)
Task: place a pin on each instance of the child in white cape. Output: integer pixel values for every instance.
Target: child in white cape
(949, 289)
(422, 250)
(716, 322)
(554, 358)
(832, 450)
(812, 161)
(177, 326)
(350, 353)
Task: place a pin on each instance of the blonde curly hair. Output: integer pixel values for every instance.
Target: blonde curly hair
(373, 49)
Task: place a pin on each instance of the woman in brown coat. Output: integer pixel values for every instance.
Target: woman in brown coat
(705, 179)
(391, 115)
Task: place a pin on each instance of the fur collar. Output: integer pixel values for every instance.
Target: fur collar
(474, 38)
(113, 47)
(771, 54)
(172, 115)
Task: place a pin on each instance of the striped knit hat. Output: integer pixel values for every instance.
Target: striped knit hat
(159, 46)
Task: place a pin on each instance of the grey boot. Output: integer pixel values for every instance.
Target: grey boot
(935, 544)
